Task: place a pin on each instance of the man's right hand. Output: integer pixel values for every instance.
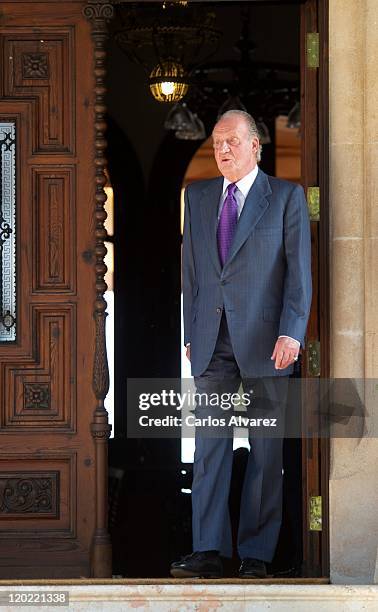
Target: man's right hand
(188, 351)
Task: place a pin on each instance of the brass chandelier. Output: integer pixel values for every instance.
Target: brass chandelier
(172, 41)
(168, 81)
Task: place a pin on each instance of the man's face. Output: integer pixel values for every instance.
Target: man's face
(235, 150)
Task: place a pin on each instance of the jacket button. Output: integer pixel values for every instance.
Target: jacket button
(219, 310)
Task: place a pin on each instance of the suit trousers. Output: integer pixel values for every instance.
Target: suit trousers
(261, 500)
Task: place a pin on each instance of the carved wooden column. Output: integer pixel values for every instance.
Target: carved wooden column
(99, 12)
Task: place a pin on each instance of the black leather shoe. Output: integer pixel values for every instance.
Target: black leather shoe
(198, 565)
(252, 568)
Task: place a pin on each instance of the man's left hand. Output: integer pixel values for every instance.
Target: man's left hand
(285, 353)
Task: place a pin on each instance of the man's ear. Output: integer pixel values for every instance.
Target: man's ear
(255, 144)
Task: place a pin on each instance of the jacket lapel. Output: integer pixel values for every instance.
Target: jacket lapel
(209, 213)
(254, 207)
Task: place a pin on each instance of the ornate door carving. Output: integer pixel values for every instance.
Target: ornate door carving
(53, 425)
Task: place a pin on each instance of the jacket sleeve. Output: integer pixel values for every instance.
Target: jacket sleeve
(297, 291)
(188, 270)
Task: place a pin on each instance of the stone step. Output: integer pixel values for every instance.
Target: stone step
(207, 596)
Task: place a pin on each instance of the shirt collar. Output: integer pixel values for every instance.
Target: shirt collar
(245, 183)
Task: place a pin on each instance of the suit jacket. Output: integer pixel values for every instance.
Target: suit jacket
(264, 287)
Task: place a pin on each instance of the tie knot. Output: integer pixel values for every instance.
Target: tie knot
(231, 189)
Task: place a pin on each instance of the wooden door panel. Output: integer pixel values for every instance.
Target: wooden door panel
(37, 495)
(42, 66)
(54, 256)
(42, 394)
(49, 482)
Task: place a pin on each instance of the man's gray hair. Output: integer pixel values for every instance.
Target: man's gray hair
(250, 122)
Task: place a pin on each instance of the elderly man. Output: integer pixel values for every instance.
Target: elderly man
(247, 296)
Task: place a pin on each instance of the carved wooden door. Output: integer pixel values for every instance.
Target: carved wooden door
(53, 425)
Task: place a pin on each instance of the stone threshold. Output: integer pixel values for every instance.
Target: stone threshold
(206, 597)
(160, 581)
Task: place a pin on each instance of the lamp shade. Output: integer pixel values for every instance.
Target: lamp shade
(168, 81)
(179, 117)
(294, 117)
(195, 131)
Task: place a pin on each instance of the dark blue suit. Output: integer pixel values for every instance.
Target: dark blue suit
(265, 285)
(232, 318)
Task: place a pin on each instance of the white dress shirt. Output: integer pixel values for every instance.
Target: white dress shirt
(243, 187)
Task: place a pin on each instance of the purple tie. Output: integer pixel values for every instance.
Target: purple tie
(227, 223)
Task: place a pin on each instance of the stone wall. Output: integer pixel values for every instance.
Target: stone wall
(354, 278)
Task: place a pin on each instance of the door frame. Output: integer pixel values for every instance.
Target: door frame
(315, 172)
(315, 163)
